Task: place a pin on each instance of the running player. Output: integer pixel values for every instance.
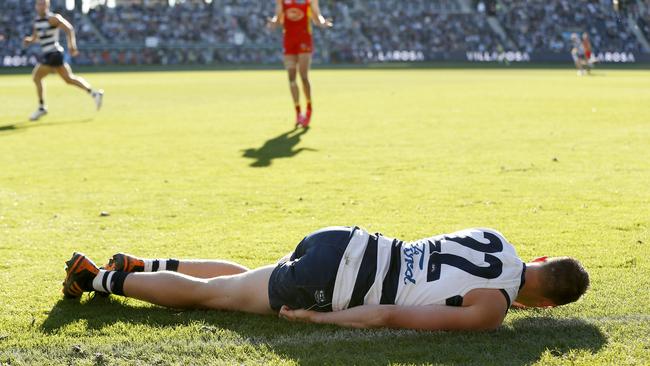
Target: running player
(296, 17)
(46, 32)
(346, 276)
(578, 53)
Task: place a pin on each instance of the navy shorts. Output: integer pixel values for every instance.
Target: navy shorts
(53, 59)
(306, 280)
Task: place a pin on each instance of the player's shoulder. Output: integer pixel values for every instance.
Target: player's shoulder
(489, 230)
(486, 233)
(479, 232)
(54, 17)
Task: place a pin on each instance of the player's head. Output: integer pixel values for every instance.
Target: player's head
(42, 6)
(585, 36)
(562, 280)
(574, 36)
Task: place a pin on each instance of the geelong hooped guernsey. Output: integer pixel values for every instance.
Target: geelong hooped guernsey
(48, 35)
(437, 270)
(579, 46)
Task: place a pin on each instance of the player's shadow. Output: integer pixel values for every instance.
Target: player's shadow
(282, 146)
(100, 312)
(522, 342)
(22, 126)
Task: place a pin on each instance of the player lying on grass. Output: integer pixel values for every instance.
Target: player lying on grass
(346, 276)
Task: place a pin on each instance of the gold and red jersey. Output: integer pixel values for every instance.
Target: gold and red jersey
(297, 26)
(586, 44)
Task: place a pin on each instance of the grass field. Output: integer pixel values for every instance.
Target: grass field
(205, 164)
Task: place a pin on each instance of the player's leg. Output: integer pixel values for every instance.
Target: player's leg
(70, 78)
(587, 63)
(247, 292)
(304, 64)
(243, 292)
(210, 268)
(576, 60)
(197, 268)
(291, 64)
(66, 74)
(38, 74)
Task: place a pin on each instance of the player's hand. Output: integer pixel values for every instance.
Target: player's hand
(326, 23)
(27, 41)
(298, 315)
(272, 23)
(516, 305)
(74, 51)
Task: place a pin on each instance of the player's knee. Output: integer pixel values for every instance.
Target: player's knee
(218, 294)
(199, 294)
(69, 79)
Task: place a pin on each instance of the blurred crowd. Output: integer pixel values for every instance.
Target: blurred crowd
(426, 27)
(641, 12)
(540, 25)
(234, 31)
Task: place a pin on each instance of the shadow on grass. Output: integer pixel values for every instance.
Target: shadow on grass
(281, 146)
(521, 342)
(21, 126)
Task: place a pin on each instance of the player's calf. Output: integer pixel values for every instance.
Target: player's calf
(129, 263)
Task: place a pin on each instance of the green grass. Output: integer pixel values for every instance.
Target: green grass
(199, 164)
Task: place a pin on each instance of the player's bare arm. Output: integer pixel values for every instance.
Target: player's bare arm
(318, 18)
(30, 39)
(484, 309)
(60, 22)
(278, 18)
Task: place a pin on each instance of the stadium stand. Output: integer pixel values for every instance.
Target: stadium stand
(233, 31)
(547, 25)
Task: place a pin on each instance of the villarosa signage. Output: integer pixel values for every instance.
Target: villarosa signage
(512, 56)
(617, 57)
(413, 56)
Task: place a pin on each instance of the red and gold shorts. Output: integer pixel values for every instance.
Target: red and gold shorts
(294, 45)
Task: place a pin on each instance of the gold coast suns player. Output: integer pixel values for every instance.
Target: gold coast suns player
(46, 32)
(296, 17)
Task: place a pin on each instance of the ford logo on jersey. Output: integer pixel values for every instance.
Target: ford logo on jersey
(410, 252)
